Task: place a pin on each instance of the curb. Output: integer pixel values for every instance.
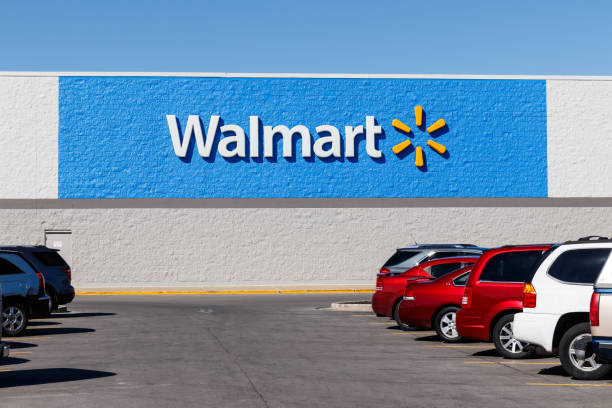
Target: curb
(220, 292)
(352, 306)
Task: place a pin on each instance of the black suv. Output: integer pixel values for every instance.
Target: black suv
(55, 270)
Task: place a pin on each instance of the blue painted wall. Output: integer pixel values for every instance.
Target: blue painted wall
(114, 141)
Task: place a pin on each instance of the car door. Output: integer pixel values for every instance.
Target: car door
(500, 285)
(14, 281)
(567, 285)
(603, 289)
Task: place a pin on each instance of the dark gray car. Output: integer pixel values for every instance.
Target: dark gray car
(55, 270)
(406, 258)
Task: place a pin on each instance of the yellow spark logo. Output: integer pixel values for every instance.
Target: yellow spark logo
(419, 161)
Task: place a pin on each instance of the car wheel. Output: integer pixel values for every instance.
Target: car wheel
(14, 319)
(401, 325)
(504, 340)
(577, 356)
(445, 324)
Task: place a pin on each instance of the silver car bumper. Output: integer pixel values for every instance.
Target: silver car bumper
(5, 350)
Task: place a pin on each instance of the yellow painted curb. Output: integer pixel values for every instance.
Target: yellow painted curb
(219, 292)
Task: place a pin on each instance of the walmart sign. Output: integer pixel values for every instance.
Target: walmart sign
(139, 137)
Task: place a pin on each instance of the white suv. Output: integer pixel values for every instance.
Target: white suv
(556, 304)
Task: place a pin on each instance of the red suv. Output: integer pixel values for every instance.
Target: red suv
(494, 293)
(435, 303)
(390, 289)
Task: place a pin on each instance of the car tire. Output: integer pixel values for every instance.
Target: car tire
(505, 343)
(399, 322)
(574, 342)
(53, 297)
(14, 319)
(445, 324)
(52, 303)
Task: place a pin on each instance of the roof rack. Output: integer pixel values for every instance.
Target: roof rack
(439, 246)
(594, 239)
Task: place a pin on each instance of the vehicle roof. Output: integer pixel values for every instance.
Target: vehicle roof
(441, 246)
(508, 248)
(450, 259)
(27, 247)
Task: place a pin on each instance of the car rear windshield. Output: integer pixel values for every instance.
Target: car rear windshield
(399, 257)
(511, 267)
(451, 254)
(50, 258)
(444, 269)
(581, 266)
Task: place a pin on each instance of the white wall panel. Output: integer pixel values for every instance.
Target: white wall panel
(579, 138)
(28, 137)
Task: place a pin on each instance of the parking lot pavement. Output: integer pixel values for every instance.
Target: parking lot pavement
(264, 351)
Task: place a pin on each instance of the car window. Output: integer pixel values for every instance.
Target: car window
(451, 254)
(11, 264)
(399, 257)
(510, 267)
(442, 269)
(444, 254)
(461, 280)
(579, 265)
(50, 258)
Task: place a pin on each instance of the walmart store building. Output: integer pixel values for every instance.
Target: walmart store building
(211, 180)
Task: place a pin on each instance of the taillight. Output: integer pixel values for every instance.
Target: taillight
(466, 300)
(408, 295)
(594, 309)
(529, 295)
(68, 272)
(41, 281)
(380, 284)
(384, 271)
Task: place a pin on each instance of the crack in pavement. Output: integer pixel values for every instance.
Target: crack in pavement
(242, 370)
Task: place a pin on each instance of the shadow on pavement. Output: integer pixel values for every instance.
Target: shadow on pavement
(493, 353)
(48, 376)
(54, 330)
(429, 338)
(64, 315)
(556, 370)
(19, 344)
(486, 353)
(12, 361)
(42, 323)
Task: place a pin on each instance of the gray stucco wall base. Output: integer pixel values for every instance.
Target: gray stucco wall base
(175, 244)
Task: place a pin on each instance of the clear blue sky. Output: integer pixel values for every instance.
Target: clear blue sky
(330, 36)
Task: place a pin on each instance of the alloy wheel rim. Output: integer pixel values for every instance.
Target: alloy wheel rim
(580, 345)
(12, 319)
(448, 325)
(508, 342)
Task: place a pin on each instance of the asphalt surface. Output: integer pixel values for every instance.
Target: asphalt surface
(264, 351)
